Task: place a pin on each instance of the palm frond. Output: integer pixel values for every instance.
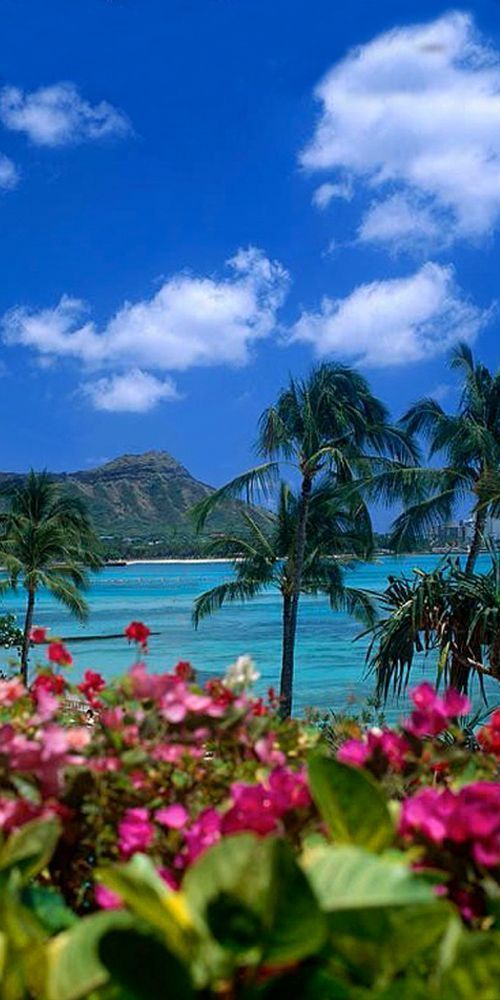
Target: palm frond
(257, 481)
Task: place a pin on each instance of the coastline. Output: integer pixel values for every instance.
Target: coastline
(200, 560)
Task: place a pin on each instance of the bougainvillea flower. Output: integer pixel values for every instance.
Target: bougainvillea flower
(38, 635)
(135, 832)
(138, 632)
(433, 714)
(489, 736)
(469, 817)
(174, 816)
(11, 691)
(91, 685)
(57, 653)
(106, 899)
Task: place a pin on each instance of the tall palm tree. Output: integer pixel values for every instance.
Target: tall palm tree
(264, 554)
(46, 541)
(469, 442)
(329, 424)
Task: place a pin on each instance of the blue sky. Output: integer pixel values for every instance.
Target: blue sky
(350, 177)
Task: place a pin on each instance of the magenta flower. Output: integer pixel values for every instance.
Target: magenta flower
(204, 832)
(379, 745)
(106, 899)
(433, 714)
(135, 832)
(174, 816)
(469, 817)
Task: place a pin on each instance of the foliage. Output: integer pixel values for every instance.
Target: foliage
(330, 428)
(11, 636)
(46, 540)
(468, 443)
(448, 611)
(264, 556)
(190, 844)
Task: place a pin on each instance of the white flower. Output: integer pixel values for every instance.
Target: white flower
(241, 674)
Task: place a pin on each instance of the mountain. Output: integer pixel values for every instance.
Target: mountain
(142, 502)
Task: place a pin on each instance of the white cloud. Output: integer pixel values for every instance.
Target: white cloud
(402, 223)
(393, 322)
(327, 192)
(190, 321)
(133, 392)
(8, 173)
(58, 115)
(417, 110)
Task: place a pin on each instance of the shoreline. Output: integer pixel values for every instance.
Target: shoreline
(199, 560)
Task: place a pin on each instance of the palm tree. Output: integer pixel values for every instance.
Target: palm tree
(450, 612)
(469, 442)
(46, 541)
(264, 557)
(328, 424)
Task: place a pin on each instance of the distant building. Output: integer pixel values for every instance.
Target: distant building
(459, 533)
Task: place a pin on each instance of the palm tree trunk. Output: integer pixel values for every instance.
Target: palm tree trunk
(287, 656)
(290, 620)
(477, 538)
(28, 624)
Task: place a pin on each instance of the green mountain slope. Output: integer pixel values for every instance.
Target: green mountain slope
(140, 504)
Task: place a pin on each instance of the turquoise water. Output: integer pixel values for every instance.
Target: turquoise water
(330, 668)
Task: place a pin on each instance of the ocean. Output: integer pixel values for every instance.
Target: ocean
(330, 668)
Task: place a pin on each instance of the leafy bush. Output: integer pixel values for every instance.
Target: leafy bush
(187, 843)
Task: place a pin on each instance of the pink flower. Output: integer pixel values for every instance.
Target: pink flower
(106, 899)
(135, 832)
(57, 653)
(268, 751)
(174, 816)
(78, 737)
(38, 635)
(46, 703)
(354, 752)
(53, 683)
(489, 735)
(147, 687)
(433, 714)
(138, 632)
(204, 832)
(91, 685)
(11, 691)
(112, 718)
(379, 746)
(470, 817)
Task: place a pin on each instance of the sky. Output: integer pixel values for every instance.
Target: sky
(200, 197)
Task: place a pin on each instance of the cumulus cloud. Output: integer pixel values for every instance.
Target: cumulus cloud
(8, 173)
(416, 111)
(402, 223)
(393, 322)
(132, 392)
(190, 321)
(327, 192)
(59, 116)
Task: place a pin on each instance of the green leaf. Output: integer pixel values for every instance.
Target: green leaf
(143, 968)
(351, 803)
(30, 848)
(49, 907)
(73, 967)
(141, 888)
(258, 888)
(307, 983)
(350, 878)
(476, 970)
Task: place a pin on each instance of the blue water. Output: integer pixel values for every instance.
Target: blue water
(330, 668)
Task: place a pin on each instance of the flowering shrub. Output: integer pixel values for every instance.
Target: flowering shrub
(239, 856)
